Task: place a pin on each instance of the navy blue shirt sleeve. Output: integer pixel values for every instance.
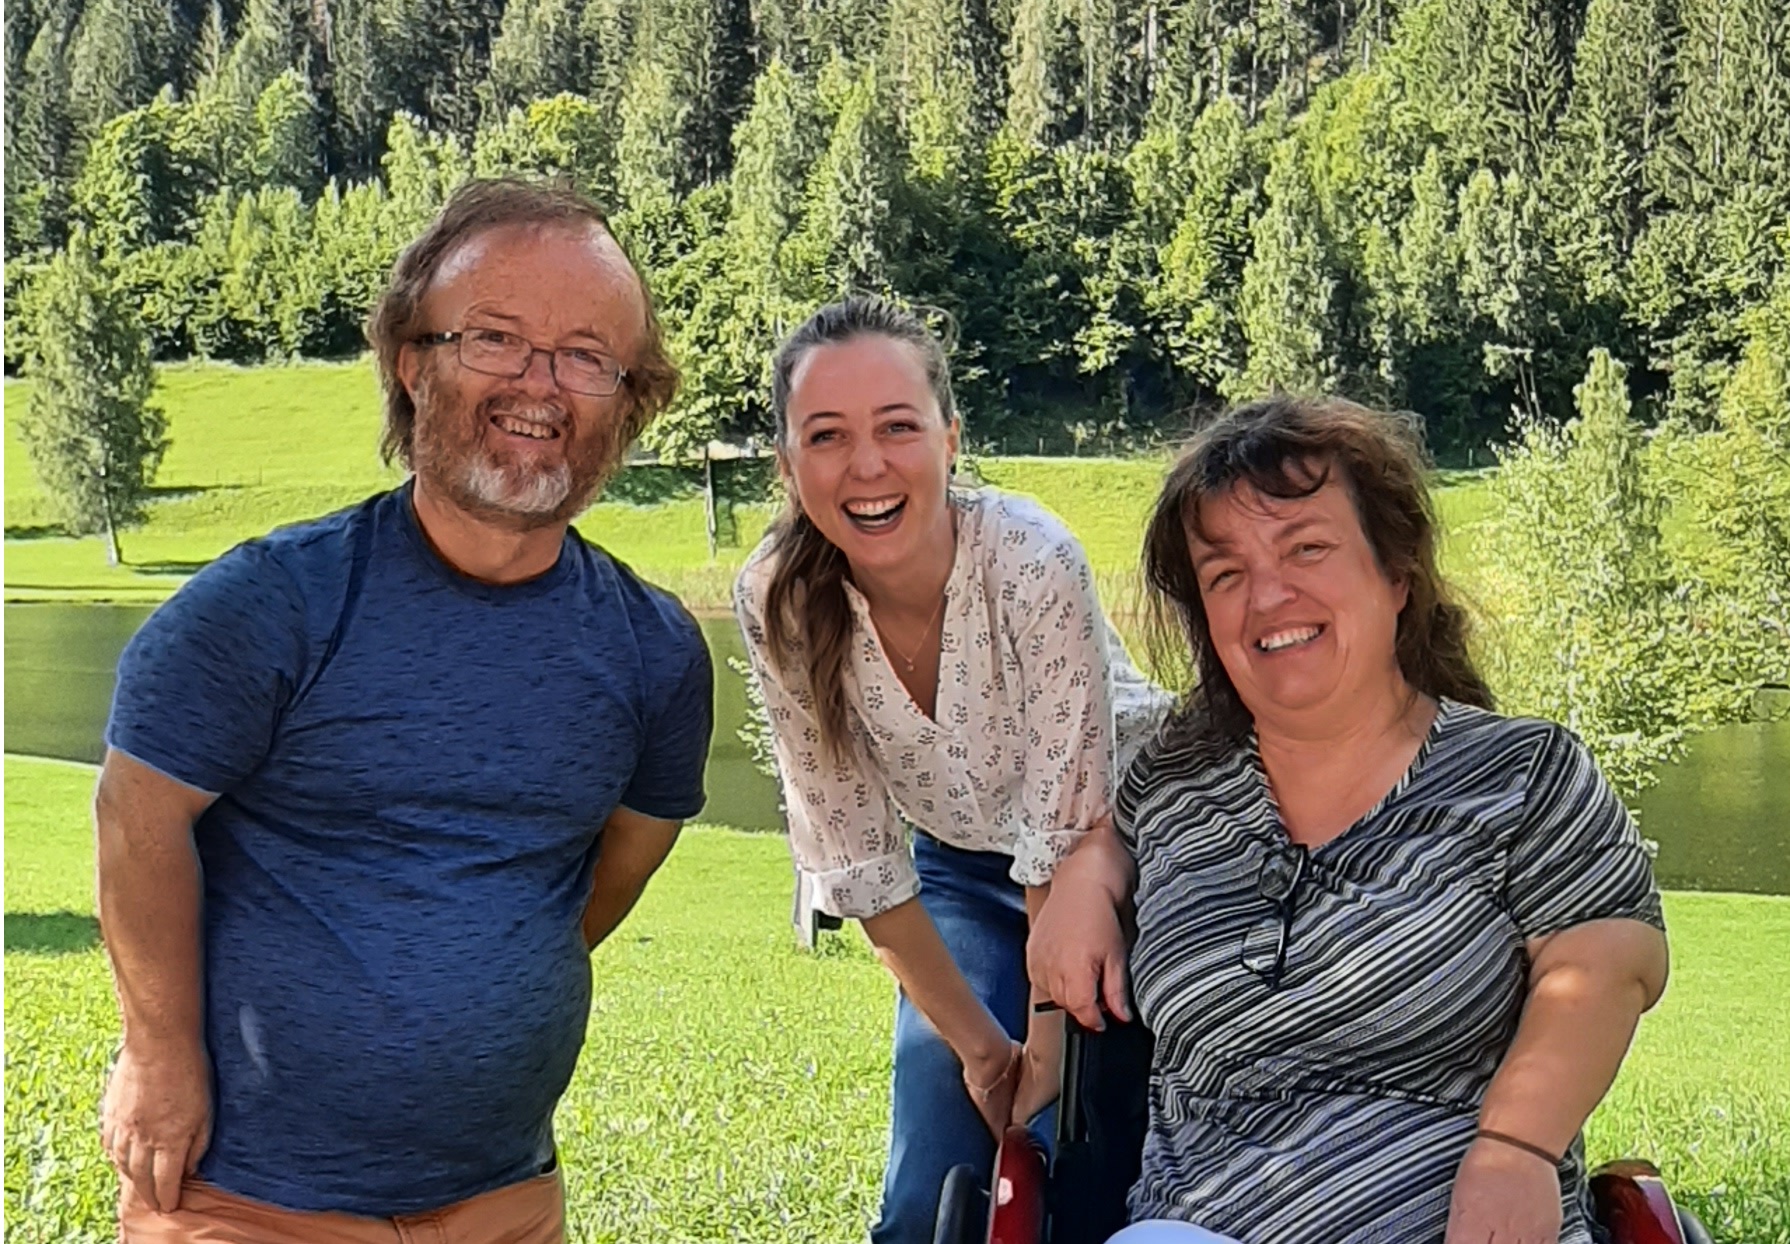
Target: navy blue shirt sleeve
(667, 783)
(202, 685)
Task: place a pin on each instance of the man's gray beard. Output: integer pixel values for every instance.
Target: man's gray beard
(539, 494)
(480, 485)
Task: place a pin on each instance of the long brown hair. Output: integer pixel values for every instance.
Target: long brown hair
(807, 617)
(1288, 448)
(479, 206)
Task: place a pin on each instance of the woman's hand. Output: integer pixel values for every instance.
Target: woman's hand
(1041, 1070)
(1503, 1195)
(1076, 953)
(992, 1085)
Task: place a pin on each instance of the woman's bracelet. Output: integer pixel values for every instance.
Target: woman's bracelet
(1516, 1143)
(984, 1092)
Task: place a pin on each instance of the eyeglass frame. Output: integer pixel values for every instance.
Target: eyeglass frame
(457, 339)
(1285, 907)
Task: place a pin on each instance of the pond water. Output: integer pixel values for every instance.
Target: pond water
(1721, 816)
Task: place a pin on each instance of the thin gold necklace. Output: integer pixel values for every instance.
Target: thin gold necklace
(910, 661)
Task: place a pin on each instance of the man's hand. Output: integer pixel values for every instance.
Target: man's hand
(1503, 1195)
(155, 1121)
(1076, 953)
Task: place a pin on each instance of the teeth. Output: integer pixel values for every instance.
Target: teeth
(524, 427)
(1286, 639)
(872, 510)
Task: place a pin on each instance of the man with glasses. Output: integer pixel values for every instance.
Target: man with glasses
(377, 783)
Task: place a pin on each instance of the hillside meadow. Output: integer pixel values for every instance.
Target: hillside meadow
(253, 448)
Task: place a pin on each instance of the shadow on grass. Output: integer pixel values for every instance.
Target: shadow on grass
(51, 932)
(165, 567)
(44, 531)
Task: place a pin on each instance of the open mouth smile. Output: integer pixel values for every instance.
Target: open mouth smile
(1288, 638)
(528, 429)
(874, 514)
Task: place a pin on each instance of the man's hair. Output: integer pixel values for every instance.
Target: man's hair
(478, 207)
(1287, 448)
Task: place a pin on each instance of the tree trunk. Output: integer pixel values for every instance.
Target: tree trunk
(708, 496)
(113, 557)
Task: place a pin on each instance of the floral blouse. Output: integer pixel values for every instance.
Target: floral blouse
(1038, 709)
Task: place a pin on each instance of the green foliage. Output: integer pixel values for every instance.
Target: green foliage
(93, 434)
(1597, 627)
(1289, 301)
(1129, 207)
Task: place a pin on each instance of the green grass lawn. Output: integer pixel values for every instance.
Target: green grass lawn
(734, 1088)
(254, 448)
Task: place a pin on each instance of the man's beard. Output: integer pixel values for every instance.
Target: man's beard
(449, 452)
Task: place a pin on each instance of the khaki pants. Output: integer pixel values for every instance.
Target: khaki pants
(531, 1212)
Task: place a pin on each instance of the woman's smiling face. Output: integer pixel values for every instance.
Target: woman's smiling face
(867, 451)
(1300, 611)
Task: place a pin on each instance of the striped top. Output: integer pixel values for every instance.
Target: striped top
(1336, 1106)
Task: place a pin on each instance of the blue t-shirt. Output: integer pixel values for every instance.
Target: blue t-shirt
(414, 769)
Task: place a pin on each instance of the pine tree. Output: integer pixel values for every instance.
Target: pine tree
(1612, 130)
(1731, 127)
(649, 156)
(361, 86)
(270, 286)
(288, 136)
(1288, 301)
(122, 53)
(269, 41)
(93, 434)
(39, 153)
(1042, 64)
(540, 52)
(1491, 74)
(848, 231)
(1595, 634)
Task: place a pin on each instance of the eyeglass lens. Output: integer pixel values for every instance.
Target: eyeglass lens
(1265, 945)
(504, 354)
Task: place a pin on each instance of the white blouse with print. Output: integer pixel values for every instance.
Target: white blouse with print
(1038, 710)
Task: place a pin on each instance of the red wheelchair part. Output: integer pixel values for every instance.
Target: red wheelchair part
(1016, 1202)
(1632, 1202)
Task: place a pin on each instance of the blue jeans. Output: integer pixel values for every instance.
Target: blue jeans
(981, 915)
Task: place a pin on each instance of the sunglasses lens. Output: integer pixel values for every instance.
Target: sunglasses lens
(1261, 946)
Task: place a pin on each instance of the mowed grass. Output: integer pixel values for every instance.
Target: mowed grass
(735, 1088)
(253, 448)
(731, 1087)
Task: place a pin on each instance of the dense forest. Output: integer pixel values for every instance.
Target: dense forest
(1129, 208)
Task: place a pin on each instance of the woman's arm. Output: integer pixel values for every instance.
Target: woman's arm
(1588, 985)
(909, 945)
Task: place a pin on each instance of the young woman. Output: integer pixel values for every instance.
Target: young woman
(930, 659)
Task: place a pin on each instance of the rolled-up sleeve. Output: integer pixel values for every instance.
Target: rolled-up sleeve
(843, 827)
(1059, 638)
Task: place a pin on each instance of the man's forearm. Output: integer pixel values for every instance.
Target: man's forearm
(611, 899)
(633, 848)
(150, 894)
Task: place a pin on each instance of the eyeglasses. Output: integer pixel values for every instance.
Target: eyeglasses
(494, 352)
(1265, 945)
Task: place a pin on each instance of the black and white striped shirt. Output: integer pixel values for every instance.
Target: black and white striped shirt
(1335, 1107)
